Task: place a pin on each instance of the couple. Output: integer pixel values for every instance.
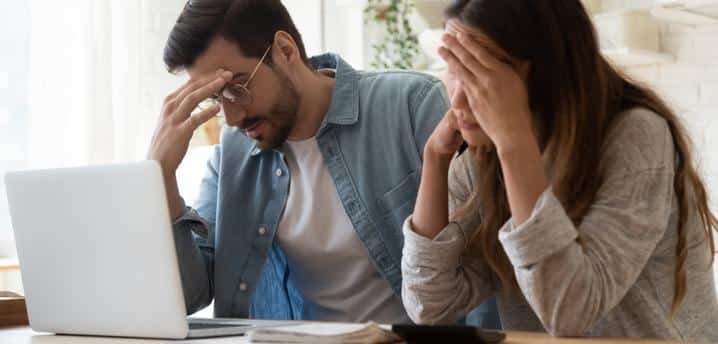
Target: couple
(339, 195)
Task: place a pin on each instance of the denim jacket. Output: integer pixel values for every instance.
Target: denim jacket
(372, 140)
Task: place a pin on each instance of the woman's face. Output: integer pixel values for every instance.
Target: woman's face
(470, 130)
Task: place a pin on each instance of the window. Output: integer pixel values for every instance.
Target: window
(84, 81)
(14, 37)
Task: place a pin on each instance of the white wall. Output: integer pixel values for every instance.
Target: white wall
(307, 17)
(690, 83)
(345, 32)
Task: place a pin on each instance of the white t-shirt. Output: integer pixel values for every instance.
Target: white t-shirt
(328, 263)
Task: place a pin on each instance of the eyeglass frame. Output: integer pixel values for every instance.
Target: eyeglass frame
(218, 98)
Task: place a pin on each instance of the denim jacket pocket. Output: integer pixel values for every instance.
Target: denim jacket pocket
(398, 203)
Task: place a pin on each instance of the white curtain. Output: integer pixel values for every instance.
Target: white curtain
(96, 79)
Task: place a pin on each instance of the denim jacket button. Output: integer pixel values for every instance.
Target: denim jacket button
(262, 230)
(243, 286)
(279, 172)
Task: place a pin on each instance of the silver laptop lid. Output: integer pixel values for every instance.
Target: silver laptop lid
(96, 251)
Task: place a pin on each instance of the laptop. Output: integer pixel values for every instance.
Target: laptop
(97, 253)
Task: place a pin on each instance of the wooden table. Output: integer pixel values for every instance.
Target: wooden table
(24, 335)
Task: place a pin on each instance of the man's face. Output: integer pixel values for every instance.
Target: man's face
(271, 116)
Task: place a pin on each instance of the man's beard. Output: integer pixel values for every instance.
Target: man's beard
(281, 119)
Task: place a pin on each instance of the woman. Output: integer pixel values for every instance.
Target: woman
(577, 203)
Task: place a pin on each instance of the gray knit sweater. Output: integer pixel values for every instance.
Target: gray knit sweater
(617, 280)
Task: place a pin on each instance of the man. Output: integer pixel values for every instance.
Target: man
(300, 212)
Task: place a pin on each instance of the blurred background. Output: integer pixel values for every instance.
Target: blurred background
(82, 81)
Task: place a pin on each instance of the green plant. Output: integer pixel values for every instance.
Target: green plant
(400, 46)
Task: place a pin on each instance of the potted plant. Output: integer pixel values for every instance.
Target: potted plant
(399, 47)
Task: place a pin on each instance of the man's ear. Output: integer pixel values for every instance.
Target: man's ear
(285, 49)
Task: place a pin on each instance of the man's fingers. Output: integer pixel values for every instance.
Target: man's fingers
(193, 85)
(190, 102)
(170, 102)
(175, 93)
(196, 120)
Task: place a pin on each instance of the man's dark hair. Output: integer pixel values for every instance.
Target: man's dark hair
(249, 23)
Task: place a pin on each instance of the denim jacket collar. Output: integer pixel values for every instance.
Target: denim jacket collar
(344, 108)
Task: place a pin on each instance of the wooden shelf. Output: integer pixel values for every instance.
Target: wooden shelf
(687, 12)
(9, 264)
(630, 37)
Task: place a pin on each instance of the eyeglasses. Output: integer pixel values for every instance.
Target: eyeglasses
(235, 93)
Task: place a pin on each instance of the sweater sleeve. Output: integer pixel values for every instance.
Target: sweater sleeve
(573, 275)
(441, 283)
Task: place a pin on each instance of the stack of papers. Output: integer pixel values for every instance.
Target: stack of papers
(325, 333)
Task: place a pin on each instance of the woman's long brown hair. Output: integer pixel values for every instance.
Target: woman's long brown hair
(575, 95)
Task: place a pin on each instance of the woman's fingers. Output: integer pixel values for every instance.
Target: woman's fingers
(459, 101)
(455, 66)
(465, 57)
(478, 52)
(453, 136)
(474, 83)
(481, 111)
(469, 93)
(452, 122)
